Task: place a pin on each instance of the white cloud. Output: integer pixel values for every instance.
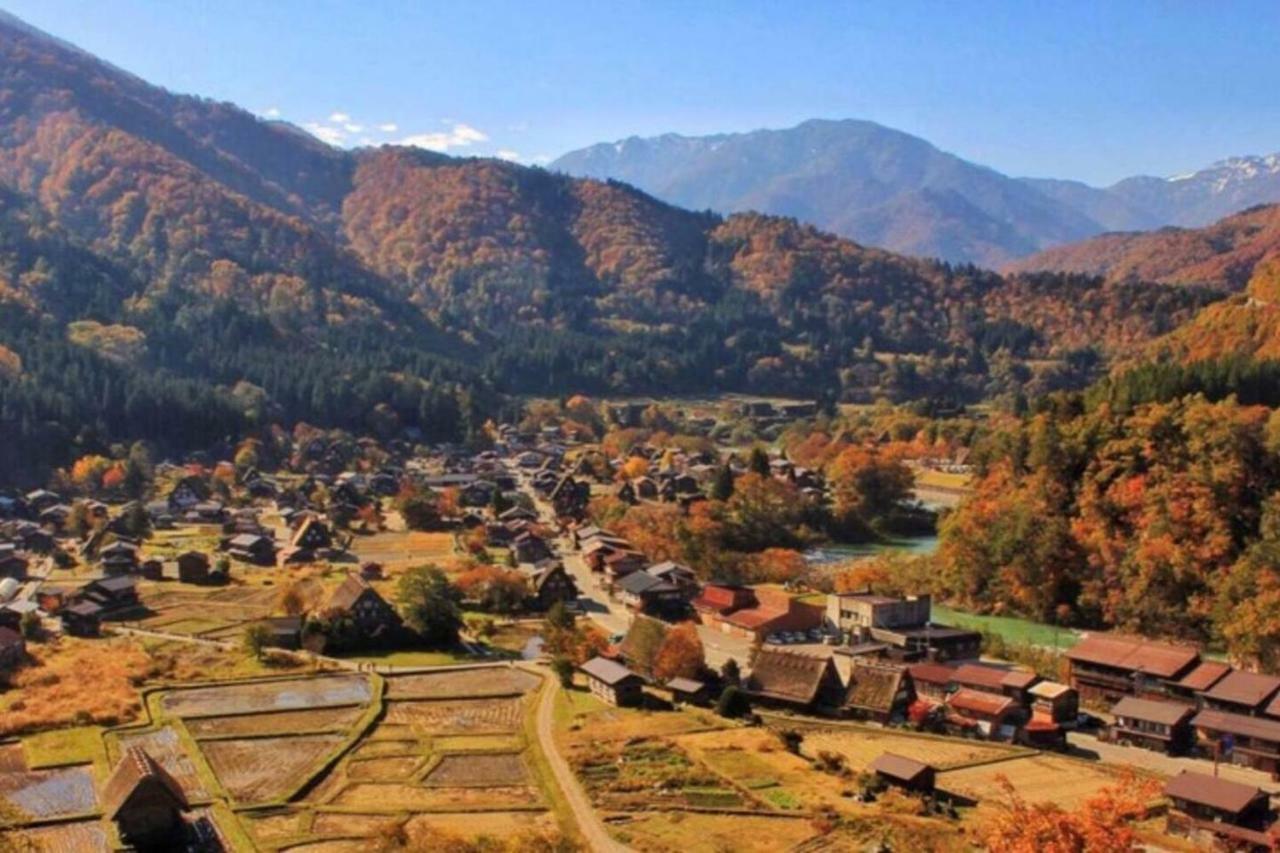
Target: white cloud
(325, 133)
(507, 154)
(353, 128)
(459, 136)
(389, 127)
(339, 118)
(271, 112)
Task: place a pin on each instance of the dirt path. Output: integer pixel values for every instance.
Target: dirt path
(589, 824)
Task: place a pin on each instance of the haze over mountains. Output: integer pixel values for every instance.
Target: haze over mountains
(887, 188)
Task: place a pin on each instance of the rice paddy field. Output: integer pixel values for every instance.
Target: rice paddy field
(323, 761)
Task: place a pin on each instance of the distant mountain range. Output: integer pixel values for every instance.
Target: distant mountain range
(886, 188)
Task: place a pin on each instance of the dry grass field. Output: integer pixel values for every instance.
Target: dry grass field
(279, 723)
(52, 692)
(457, 716)
(82, 836)
(483, 771)
(690, 832)
(461, 683)
(861, 746)
(1039, 778)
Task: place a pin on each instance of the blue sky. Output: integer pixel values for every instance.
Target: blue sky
(1093, 91)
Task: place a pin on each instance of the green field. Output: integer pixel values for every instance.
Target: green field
(1021, 632)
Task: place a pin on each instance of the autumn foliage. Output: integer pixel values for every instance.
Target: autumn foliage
(1103, 824)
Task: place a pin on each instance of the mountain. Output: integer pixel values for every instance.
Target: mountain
(177, 270)
(890, 189)
(856, 178)
(1222, 255)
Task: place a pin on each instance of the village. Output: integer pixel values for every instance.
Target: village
(391, 640)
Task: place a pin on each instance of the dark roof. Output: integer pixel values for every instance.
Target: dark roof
(638, 583)
(1240, 724)
(1162, 660)
(1204, 676)
(120, 583)
(873, 686)
(1244, 688)
(9, 638)
(899, 767)
(685, 685)
(1212, 791)
(348, 592)
(788, 676)
(136, 767)
(1164, 713)
(608, 671)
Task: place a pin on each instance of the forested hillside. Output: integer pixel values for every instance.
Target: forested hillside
(167, 256)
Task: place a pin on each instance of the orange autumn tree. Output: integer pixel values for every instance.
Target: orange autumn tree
(1103, 824)
(680, 655)
(633, 468)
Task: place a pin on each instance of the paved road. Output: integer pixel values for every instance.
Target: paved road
(589, 823)
(1167, 765)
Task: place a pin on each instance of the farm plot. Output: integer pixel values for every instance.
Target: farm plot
(50, 793)
(1037, 778)
(283, 695)
(278, 723)
(691, 832)
(457, 716)
(256, 770)
(465, 683)
(396, 796)
(861, 746)
(396, 768)
(479, 770)
(165, 746)
(82, 836)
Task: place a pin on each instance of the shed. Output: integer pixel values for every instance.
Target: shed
(903, 772)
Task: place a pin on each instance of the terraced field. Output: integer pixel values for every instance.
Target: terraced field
(282, 695)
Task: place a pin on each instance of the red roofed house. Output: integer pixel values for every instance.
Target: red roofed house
(754, 613)
(988, 712)
(1160, 726)
(1223, 814)
(1200, 679)
(1103, 668)
(1246, 741)
(933, 681)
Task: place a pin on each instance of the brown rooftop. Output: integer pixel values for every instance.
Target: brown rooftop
(1204, 676)
(136, 768)
(899, 767)
(1162, 660)
(1148, 710)
(1238, 724)
(1250, 689)
(1221, 794)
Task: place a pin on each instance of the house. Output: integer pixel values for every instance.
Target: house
(754, 612)
(1197, 681)
(13, 648)
(641, 592)
(1246, 741)
(550, 582)
(152, 569)
(371, 571)
(1241, 692)
(186, 493)
(528, 548)
(1103, 668)
(905, 773)
(1218, 811)
(933, 681)
(1151, 724)
(1056, 702)
(284, 632)
(688, 691)
(119, 558)
(252, 548)
(570, 497)
(112, 593)
(903, 623)
(988, 713)
(612, 682)
(620, 564)
(82, 619)
(193, 567)
(679, 575)
(1000, 681)
(146, 803)
(51, 598)
(881, 692)
(373, 617)
(13, 563)
(793, 679)
(41, 499)
(312, 535)
(517, 513)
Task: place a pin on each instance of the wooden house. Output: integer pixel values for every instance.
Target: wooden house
(372, 616)
(905, 773)
(612, 682)
(988, 713)
(119, 558)
(252, 548)
(82, 619)
(13, 563)
(146, 803)
(1151, 724)
(1189, 688)
(792, 679)
(193, 567)
(641, 592)
(1240, 692)
(1243, 740)
(550, 583)
(1103, 668)
(688, 691)
(1055, 701)
(113, 593)
(933, 681)
(881, 692)
(1223, 814)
